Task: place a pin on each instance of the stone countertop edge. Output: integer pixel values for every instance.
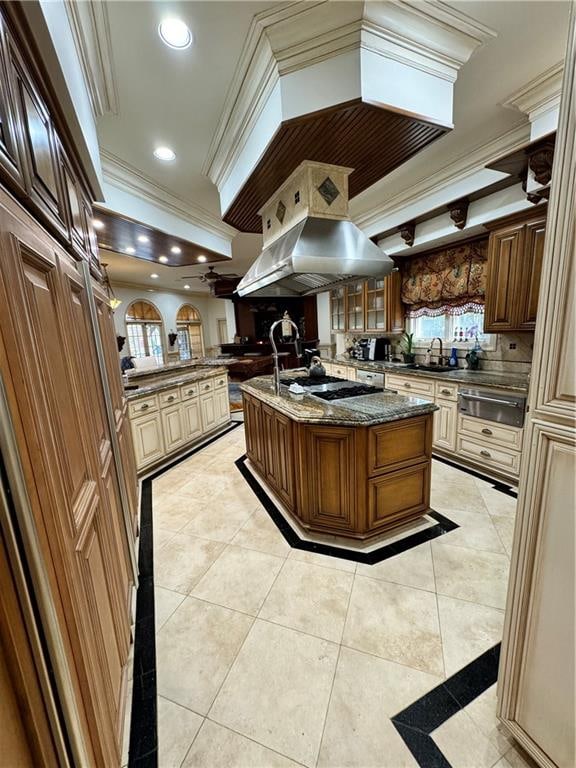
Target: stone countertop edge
(139, 373)
(365, 411)
(511, 381)
(197, 375)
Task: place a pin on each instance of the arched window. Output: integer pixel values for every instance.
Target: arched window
(144, 330)
(189, 327)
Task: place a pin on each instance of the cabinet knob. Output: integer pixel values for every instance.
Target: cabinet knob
(485, 453)
(207, 386)
(170, 398)
(144, 407)
(486, 431)
(190, 392)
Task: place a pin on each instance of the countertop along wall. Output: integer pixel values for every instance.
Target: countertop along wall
(168, 303)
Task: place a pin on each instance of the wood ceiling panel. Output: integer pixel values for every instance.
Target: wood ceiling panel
(119, 232)
(370, 139)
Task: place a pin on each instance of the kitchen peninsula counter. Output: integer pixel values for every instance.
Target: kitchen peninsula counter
(353, 468)
(167, 382)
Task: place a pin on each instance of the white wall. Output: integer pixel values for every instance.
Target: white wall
(168, 303)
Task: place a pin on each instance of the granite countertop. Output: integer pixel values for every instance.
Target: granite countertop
(138, 373)
(362, 411)
(514, 382)
(173, 381)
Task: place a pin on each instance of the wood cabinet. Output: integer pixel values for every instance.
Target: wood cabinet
(515, 251)
(372, 305)
(164, 423)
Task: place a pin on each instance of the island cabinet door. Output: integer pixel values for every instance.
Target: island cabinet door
(397, 444)
(328, 477)
(254, 435)
(279, 454)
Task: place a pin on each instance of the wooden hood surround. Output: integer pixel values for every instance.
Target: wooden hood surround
(363, 85)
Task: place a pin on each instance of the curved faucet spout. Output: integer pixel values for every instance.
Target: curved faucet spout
(275, 349)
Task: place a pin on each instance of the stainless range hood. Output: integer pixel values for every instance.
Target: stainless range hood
(313, 256)
(310, 244)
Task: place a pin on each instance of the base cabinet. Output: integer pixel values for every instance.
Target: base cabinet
(192, 420)
(172, 428)
(445, 419)
(147, 437)
(208, 412)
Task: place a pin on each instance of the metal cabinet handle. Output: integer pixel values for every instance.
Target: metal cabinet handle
(221, 381)
(207, 386)
(485, 453)
(145, 406)
(170, 398)
(445, 391)
(509, 403)
(408, 386)
(487, 431)
(190, 392)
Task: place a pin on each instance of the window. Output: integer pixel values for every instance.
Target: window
(144, 331)
(189, 329)
(455, 329)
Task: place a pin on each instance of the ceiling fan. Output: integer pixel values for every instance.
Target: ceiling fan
(211, 276)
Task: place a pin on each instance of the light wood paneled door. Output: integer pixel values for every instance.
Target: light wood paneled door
(57, 406)
(537, 668)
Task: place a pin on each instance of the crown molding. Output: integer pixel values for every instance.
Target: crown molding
(295, 36)
(90, 27)
(444, 180)
(538, 95)
(120, 174)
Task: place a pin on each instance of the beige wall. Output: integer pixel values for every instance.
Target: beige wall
(168, 303)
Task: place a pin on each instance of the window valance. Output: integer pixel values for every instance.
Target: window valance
(450, 281)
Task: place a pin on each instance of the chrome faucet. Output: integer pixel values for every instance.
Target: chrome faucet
(275, 349)
(440, 356)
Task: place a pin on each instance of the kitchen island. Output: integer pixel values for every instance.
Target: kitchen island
(353, 467)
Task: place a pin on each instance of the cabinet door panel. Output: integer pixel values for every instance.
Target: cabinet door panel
(501, 296)
(445, 425)
(172, 428)
(254, 434)
(9, 156)
(208, 411)
(395, 311)
(222, 405)
(530, 272)
(147, 436)
(192, 420)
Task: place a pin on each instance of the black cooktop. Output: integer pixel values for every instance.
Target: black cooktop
(338, 394)
(310, 381)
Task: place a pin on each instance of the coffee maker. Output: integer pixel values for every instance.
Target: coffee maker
(373, 349)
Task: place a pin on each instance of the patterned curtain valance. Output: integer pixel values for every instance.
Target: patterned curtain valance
(445, 281)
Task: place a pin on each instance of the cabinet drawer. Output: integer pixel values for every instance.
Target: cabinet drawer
(220, 381)
(344, 372)
(189, 390)
(446, 391)
(206, 386)
(169, 397)
(501, 459)
(143, 405)
(410, 385)
(490, 432)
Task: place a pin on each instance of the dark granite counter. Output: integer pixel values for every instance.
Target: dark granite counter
(513, 382)
(201, 362)
(150, 388)
(362, 411)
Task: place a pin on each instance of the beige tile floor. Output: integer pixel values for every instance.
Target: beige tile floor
(269, 656)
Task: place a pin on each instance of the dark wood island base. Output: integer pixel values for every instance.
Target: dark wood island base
(351, 481)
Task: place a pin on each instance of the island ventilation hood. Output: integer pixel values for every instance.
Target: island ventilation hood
(310, 245)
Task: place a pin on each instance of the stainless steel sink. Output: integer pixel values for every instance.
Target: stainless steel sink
(430, 368)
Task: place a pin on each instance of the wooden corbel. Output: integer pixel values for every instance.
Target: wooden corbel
(459, 212)
(407, 232)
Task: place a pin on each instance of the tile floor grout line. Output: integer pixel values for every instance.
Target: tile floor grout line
(438, 613)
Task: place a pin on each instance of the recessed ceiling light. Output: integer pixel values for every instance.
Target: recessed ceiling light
(143, 239)
(97, 224)
(163, 259)
(154, 275)
(130, 249)
(175, 33)
(175, 249)
(187, 287)
(164, 153)
(202, 258)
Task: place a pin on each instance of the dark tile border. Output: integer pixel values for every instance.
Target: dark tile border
(496, 484)
(416, 723)
(443, 525)
(143, 749)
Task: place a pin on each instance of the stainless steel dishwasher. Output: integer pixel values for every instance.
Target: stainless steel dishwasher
(493, 406)
(370, 377)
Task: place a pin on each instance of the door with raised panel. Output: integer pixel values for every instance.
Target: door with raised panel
(444, 435)
(191, 419)
(9, 157)
(147, 436)
(208, 411)
(529, 274)
(504, 252)
(172, 427)
(222, 405)
(62, 439)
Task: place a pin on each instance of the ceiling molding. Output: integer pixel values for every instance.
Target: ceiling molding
(538, 95)
(378, 218)
(146, 289)
(91, 32)
(295, 36)
(124, 176)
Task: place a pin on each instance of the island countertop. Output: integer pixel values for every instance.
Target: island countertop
(361, 411)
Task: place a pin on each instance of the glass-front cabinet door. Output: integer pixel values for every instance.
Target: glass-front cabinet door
(338, 309)
(355, 306)
(376, 304)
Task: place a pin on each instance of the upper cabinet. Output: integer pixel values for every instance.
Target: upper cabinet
(515, 251)
(35, 162)
(372, 305)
